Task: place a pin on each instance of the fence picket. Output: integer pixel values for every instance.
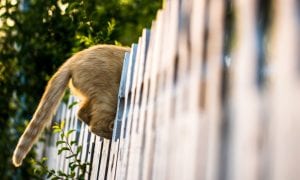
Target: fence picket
(284, 100)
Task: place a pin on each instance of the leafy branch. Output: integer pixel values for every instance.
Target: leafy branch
(64, 144)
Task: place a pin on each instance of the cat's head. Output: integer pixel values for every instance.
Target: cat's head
(103, 128)
(100, 122)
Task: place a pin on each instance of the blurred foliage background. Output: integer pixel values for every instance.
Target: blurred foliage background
(36, 37)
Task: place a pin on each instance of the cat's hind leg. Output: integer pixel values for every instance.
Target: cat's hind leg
(84, 113)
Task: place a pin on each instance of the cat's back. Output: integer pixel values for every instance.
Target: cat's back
(100, 55)
(99, 65)
(106, 51)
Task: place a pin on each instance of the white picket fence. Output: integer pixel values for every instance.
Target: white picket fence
(188, 110)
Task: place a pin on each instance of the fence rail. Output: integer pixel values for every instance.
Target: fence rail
(210, 92)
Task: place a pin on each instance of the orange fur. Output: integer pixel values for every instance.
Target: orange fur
(94, 76)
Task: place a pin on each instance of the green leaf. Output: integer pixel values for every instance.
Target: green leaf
(72, 174)
(83, 167)
(60, 142)
(79, 149)
(73, 155)
(73, 166)
(56, 130)
(62, 124)
(70, 132)
(111, 26)
(35, 171)
(117, 43)
(50, 174)
(33, 161)
(73, 142)
(81, 177)
(62, 149)
(72, 104)
(62, 173)
(55, 127)
(62, 135)
(44, 159)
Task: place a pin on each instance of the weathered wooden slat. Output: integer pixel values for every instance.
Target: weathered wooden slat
(197, 85)
(155, 43)
(187, 122)
(161, 103)
(104, 160)
(80, 140)
(213, 90)
(118, 123)
(144, 100)
(123, 146)
(67, 127)
(51, 150)
(90, 156)
(96, 158)
(134, 162)
(244, 125)
(75, 125)
(60, 161)
(284, 100)
(121, 99)
(140, 115)
(130, 119)
(162, 167)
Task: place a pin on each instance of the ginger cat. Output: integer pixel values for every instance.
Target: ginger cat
(94, 76)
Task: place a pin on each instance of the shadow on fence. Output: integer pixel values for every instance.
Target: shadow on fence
(210, 92)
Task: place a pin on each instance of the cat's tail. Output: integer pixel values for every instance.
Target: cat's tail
(44, 113)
